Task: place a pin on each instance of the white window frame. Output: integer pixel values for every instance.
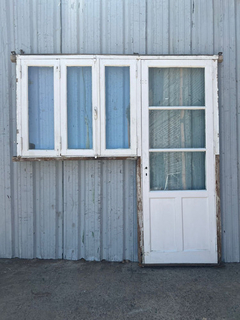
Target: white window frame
(22, 112)
(133, 102)
(95, 119)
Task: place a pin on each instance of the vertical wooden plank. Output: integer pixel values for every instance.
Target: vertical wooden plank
(202, 27)
(90, 215)
(81, 29)
(237, 48)
(157, 29)
(112, 26)
(130, 243)
(225, 41)
(71, 14)
(48, 210)
(7, 89)
(81, 33)
(72, 232)
(134, 26)
(23, 218)
(81, 210)
(36, 189)
(123, 30)
(112, 204)
(102, 27)
(180, 27)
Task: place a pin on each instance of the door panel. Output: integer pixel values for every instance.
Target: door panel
(195, 224)
(179, 203)
(164, 227)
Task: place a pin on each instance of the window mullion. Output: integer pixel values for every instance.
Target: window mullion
(57, 107)
(63, 101)
(96, 110)
(24, 119)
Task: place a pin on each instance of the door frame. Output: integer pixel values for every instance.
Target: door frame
(210, 66)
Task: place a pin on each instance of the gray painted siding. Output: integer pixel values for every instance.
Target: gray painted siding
(84, 209)
(36, 187)
(100, 218)
(6, 84)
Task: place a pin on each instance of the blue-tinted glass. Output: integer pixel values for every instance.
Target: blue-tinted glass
(79, 107)
(41, 108)
(117, 95)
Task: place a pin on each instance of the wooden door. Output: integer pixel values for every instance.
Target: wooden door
(178, 161)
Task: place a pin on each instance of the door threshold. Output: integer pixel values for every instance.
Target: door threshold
(161, 265)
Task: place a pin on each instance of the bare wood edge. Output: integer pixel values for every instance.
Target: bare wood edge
(139, 213)
(218, 207)
(24, 159)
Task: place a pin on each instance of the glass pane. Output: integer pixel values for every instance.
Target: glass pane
(117, 95)
(177, 129)
(41, 108)
(79, 107)
(177, 170)
(176, 87)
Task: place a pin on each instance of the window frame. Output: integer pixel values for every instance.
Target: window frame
(65, 151)
(23, 107)
(131, 63)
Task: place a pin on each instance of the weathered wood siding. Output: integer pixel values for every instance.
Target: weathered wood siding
(87, 209)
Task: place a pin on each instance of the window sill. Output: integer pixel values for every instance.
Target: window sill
(63, 158)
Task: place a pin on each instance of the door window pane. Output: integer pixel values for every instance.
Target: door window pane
(177, 170)
(176, 87)
(117, 96)
(79, 107)
(176, 129)
(41, 108)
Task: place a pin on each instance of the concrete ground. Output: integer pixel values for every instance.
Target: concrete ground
(40, 289)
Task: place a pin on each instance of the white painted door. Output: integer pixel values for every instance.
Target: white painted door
(179, 120)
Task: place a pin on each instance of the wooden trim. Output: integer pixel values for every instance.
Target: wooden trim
(122, 56)
(63, 158)
(139, 212)
(218, 208)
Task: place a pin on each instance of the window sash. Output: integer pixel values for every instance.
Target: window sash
(23, 114)
(132, 64)
(95, 119)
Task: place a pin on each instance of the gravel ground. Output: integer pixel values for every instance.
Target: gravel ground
(58, 289)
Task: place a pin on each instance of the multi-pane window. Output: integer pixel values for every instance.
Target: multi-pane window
(177, 128)
(76, 106)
